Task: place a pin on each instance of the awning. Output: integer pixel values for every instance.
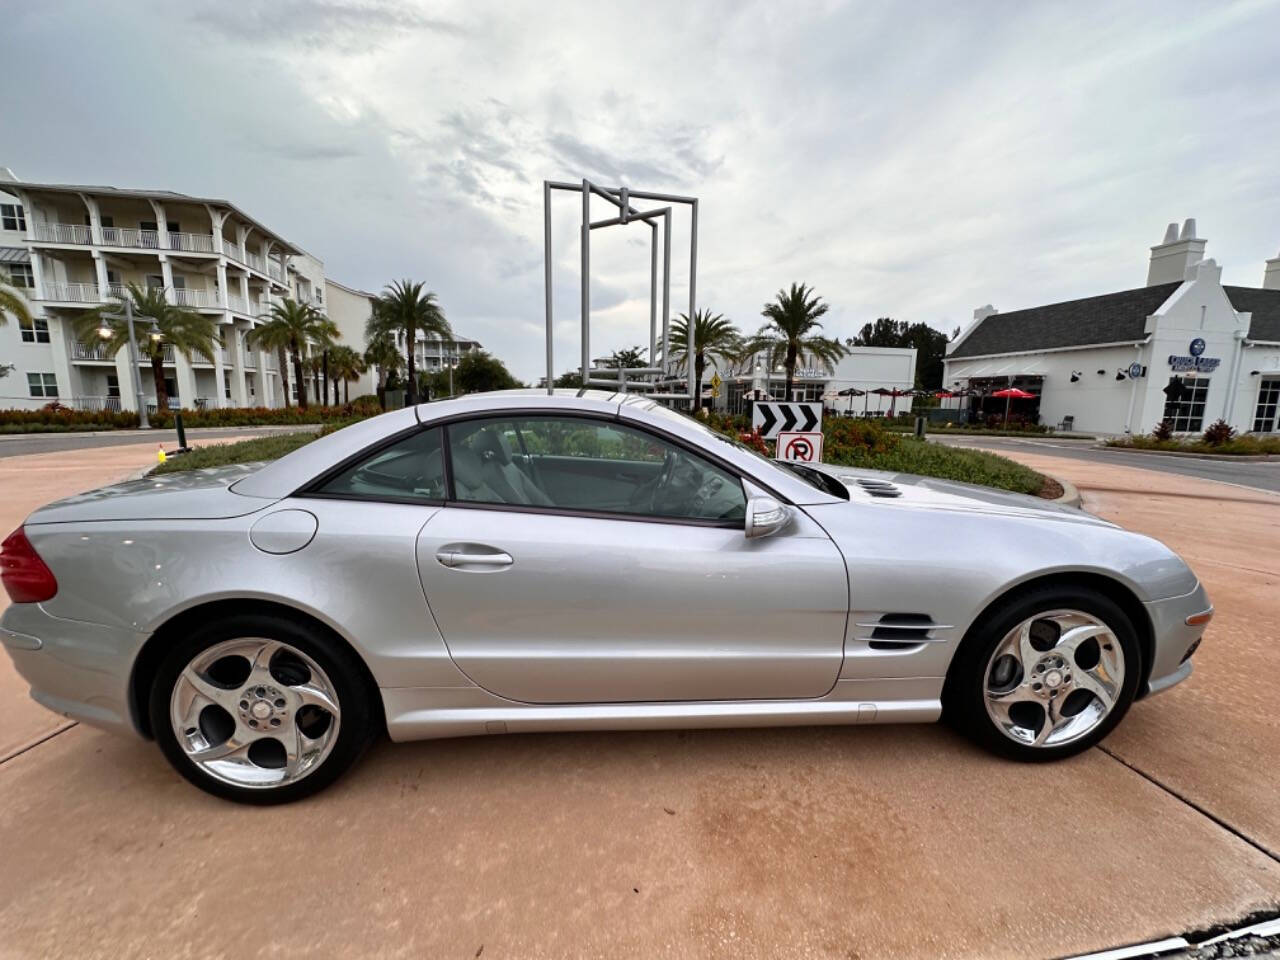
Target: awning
(14, 255)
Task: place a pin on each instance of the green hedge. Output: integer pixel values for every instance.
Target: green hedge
(246, 451)
(57, 418)
(266, 416)
(1243, 446)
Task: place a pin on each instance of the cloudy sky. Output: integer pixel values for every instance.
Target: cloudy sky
(908, 160)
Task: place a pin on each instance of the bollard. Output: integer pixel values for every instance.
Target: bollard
(182, 434)
(919, 426)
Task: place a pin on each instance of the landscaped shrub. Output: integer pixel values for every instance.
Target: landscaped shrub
(1163, 430)
(62, 418)
(1219, 432)
(267, 416)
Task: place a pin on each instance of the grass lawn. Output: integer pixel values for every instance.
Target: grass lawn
(949, 463)
(245, 451)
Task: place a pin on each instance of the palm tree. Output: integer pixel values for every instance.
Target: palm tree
(406, 308)
(272, 336)
(791, 334)
(188, 332)
(382, 353)
(713, 336)
(295, 325)
(12, 302)
(346, 365)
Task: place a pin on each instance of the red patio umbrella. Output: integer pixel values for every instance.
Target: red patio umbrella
(895, 393)
(1009, 393)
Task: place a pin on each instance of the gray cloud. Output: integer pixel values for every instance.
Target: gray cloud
(913, 166)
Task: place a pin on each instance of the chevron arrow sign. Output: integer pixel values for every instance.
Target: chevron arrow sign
(772, 417)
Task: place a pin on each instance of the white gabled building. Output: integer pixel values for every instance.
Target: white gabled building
(1184, 348)
(69, 248)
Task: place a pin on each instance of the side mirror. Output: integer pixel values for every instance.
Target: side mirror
(765, 516)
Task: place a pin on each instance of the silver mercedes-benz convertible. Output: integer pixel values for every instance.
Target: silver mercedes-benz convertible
(520, 561)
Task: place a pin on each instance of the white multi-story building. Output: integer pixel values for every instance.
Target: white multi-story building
(70, 248)
(1184, 348)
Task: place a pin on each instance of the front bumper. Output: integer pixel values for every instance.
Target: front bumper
(1174, 639)
(80, 670)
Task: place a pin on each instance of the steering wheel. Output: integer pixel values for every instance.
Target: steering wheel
(645, 496)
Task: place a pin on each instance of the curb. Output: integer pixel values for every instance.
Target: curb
(1225, 457)
(1070, 495)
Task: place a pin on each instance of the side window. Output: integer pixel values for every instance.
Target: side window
(410, 469)
(591, 465)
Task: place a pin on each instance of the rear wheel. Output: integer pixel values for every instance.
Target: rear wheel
(1046, 676)
(260, 709)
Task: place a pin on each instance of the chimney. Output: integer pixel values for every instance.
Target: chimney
(1271, 278)
(1178, 251)
(987, 310)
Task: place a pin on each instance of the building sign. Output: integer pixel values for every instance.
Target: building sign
(1196, 362)
(800, 447)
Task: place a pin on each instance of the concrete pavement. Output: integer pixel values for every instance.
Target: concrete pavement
(826, 842)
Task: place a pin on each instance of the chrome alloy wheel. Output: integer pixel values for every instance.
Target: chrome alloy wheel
(1054, 678)
(254, 712)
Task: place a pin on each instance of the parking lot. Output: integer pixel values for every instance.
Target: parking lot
(823, 842)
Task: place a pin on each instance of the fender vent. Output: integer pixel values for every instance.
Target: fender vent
(879, 488)
(898, 631)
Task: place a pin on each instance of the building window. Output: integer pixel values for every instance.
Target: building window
(1187, 412)
(12, 217)
(20, 275)
(226, 384)
(1264, 418)
(37, 331)
(113, 385)
(42, 384)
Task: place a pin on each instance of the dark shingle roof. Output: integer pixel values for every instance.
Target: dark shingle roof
(1110, 318)
(1265, 307)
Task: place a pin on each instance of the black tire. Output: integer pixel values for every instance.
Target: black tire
(356, 701)
(963, 694)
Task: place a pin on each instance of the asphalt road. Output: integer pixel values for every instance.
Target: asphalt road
(19, 444)
(1260, 475)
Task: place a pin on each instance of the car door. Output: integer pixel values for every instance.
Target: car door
(581, 560)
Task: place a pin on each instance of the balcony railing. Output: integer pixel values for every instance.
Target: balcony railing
(251, 360)
(95, 404)
(275, 272)
(230, 248)
(98, 351)
(255, 261)
(64, 292)
(192, 242)
(123, 237)
(62, 233)
(183, 297)
(130, 237)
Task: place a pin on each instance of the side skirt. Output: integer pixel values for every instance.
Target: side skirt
(422, 713)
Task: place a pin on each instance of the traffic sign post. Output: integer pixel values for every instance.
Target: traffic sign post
(797, 447)
(771, 418)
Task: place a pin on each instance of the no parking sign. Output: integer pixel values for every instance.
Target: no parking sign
(800, 447)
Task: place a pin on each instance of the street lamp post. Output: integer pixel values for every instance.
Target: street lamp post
(105, 332)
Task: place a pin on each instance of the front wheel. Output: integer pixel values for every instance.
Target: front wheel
(1047, 676)
(260, 709)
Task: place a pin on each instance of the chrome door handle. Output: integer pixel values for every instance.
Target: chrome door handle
(459, 558)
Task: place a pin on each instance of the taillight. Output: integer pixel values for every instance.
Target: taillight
(25, 576)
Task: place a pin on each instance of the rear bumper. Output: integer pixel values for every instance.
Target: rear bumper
(1174, 638)
(80, 670)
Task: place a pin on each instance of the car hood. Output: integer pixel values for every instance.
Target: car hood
(909, 491)
(189, 495)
